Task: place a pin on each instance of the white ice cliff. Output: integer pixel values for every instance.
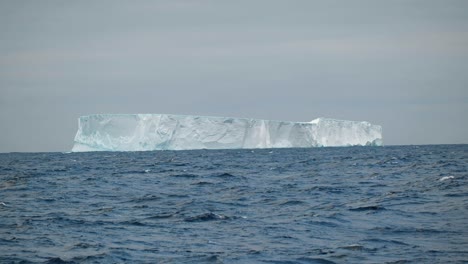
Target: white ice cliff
(139, 132)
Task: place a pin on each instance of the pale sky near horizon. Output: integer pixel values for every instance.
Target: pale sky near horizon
(402, 64)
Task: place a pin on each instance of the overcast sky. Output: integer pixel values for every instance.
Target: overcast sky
(400, 64)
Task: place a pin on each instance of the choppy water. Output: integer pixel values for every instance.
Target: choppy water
(404, 204)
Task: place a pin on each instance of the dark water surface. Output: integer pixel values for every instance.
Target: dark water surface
(405, 204)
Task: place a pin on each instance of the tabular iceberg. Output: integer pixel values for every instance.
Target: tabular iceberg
(140, 132)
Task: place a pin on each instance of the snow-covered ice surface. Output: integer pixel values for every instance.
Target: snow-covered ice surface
(142, 132)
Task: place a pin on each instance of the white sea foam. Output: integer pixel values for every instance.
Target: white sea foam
(446, 178)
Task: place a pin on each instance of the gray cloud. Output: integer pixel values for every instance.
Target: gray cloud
(401, 64)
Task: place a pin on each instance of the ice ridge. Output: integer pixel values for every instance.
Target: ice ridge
(144, 132)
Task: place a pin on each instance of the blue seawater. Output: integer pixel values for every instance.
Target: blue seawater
(394, 204)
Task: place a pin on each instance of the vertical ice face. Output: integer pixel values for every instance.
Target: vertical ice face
(138, 132)
(332, 132)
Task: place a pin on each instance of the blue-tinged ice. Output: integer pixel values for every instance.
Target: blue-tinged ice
(142, 132)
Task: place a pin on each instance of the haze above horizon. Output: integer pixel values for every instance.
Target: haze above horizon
(399, 64)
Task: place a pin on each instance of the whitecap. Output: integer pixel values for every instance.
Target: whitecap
(446, 178)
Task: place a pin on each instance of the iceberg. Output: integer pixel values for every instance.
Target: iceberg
(145, 132)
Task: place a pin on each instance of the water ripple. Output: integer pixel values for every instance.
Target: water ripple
(405, 204)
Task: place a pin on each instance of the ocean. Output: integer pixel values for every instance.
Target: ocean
(392, 204)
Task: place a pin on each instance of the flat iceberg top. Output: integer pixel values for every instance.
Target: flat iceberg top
(143, 132)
